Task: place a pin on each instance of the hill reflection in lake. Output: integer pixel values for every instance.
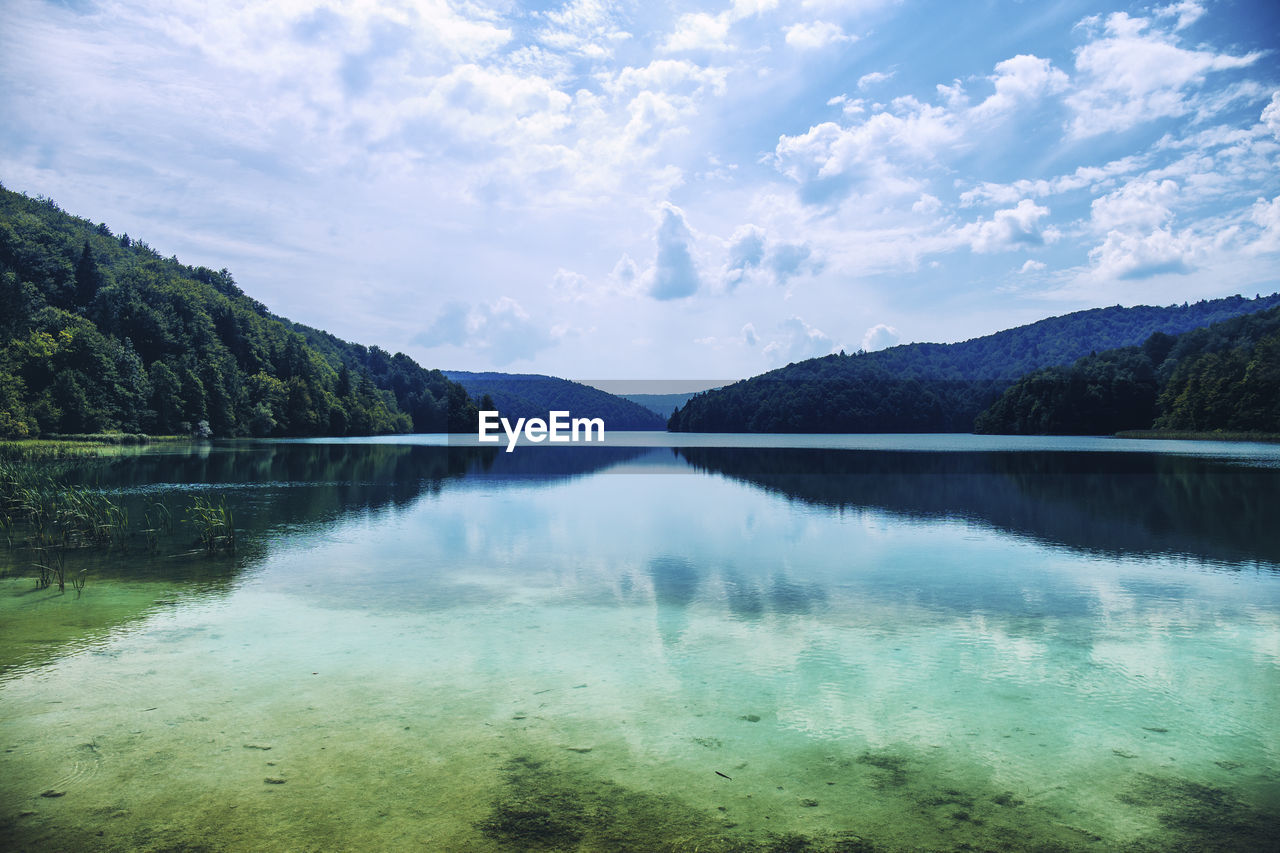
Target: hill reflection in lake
(1114, 503)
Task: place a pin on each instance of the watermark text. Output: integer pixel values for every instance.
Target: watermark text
(558, 428)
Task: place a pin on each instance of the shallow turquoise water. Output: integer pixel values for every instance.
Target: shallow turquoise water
(895, 643)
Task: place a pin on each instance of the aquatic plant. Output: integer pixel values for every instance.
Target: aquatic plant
(157, 519)
(214, 525)
(52, 569)
(39, 513)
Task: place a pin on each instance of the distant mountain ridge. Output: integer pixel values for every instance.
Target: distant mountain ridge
(533, 395)
(934, 387)
(660, 404)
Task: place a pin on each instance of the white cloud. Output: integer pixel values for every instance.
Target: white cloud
(1012, 228)
(486, 104)
(1266, 214)
(788, 260)
(1141, 205)
(884, 152)
(671, 76)
(846, 7)
(798, 341)
(502, 330)
(749, 249)
(749, 335)
(872, 155)
(1187, 12)
(868, 80)
(1023, 79)
(674, 274)
(1129, 76)
(815, 35)
(880, 336)
(746, 252)
(449, 328)
(571, 286)
(702, 31)
(1092, 177)
(1271, 115)
(1128, 255)
(699, 31)
(583, 27)
(927, 205)
(325, 153)
(626, 278)
(848, 106)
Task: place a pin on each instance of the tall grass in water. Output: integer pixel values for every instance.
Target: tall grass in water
(77, 446)
(213, 523)
(157, 519)
(53, 568)
(55, 514)
(53, 519)
(90, 518)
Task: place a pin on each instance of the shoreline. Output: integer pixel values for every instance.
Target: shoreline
(1193, 435)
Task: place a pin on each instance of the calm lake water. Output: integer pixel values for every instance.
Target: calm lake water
(738, 643)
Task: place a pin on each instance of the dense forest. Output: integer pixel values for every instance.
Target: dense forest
(531, 395)
(934, 387)
(98, 332)
(1222, 377)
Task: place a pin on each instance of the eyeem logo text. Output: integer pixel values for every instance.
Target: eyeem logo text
(557, 428)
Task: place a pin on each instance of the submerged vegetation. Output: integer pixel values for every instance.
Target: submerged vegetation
(213, 524)
(50, 519)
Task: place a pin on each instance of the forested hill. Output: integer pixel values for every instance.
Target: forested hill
(1223, 377)
(531, 395)
(933, 387)
(98, 332)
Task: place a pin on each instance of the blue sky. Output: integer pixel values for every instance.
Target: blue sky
(662, 190)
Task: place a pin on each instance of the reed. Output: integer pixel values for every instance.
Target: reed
(51, 518)
(50, 513)
(156, 519)
(52, 569)
(44, 450)
(213, 523)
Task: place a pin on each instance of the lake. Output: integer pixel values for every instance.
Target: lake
(671, 642)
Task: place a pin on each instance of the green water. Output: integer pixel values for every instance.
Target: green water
(873, 643)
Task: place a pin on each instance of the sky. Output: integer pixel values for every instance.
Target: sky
(654, 190)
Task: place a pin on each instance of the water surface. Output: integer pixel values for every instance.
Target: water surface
(686, 642)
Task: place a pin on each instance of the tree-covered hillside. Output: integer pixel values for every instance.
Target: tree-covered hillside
(98, 332)
(933, 387)
(531, 395)
(1222, 377)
